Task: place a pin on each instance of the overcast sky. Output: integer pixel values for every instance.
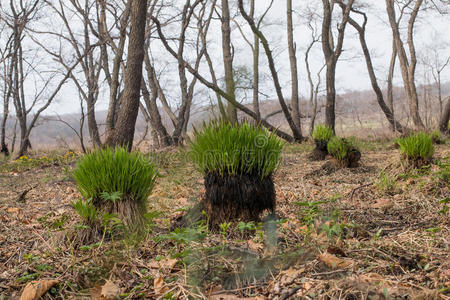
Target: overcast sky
(431, 32)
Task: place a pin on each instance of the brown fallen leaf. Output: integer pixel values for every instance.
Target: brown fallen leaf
(35, 289)
(382, 204)
(159, 286)
(12, 210)
(288, 276)
(334, 262)
(255, 246)
(110, 290)
(167, 263)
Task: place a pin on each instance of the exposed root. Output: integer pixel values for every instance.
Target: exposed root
(242, 197)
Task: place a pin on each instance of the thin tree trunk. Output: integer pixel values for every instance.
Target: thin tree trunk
(390, 87)
(443, 124)
(92, 123)
(293, 64)
(373, 79)
(255, 50)
(228, 60)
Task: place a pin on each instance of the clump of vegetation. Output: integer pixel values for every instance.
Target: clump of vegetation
(114, 182)
(346, 153)
(386, 183)
(436, 137)
(237, 161)
(321, 136)
(417, 149)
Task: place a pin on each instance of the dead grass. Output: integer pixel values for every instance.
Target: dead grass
(391, 245)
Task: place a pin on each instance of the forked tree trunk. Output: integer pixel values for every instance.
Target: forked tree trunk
(332, 54)
(408, 67)
(123, 132)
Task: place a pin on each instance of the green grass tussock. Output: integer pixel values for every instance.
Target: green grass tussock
(322, 133)
(338, 148)
(344, 150)
(235, 149)
(417, 147)
(123, 176)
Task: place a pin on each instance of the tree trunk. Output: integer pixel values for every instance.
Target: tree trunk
(123, 132)
(114, 95)
(255, 84)
(228, 60)
(373, 79)
(92, 123)
(390, 87)
(4, 147)
(407, 67)
(293, 64)
(332, 54)
(443, 124)
(330, 106)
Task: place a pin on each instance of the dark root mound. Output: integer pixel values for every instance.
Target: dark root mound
(244, 197)
(317, 155)
(321, 145)
(352, 158)
(418, 163)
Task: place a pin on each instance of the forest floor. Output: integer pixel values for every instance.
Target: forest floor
(378, 231)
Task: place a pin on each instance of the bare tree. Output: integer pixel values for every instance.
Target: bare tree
(123, 132)
(408, 66)
(361, 29)
(181, 119)
(228, 59)
(255, 47)
(84, 50)
(293, 64)
(217, 89)
(313, 87)
(332, 53)
(18, 19)
(6, 78)
(296, 131)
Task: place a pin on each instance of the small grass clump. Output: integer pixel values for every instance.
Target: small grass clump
(417, 148)
(237, 161)
(344, 151)
(321, 135)
(115, 181)
(386, 183)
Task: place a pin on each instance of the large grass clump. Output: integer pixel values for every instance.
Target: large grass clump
(417, 148)
(237, 161)
(321, 136)
(235, 149)
(117, 182)
(345, 152)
